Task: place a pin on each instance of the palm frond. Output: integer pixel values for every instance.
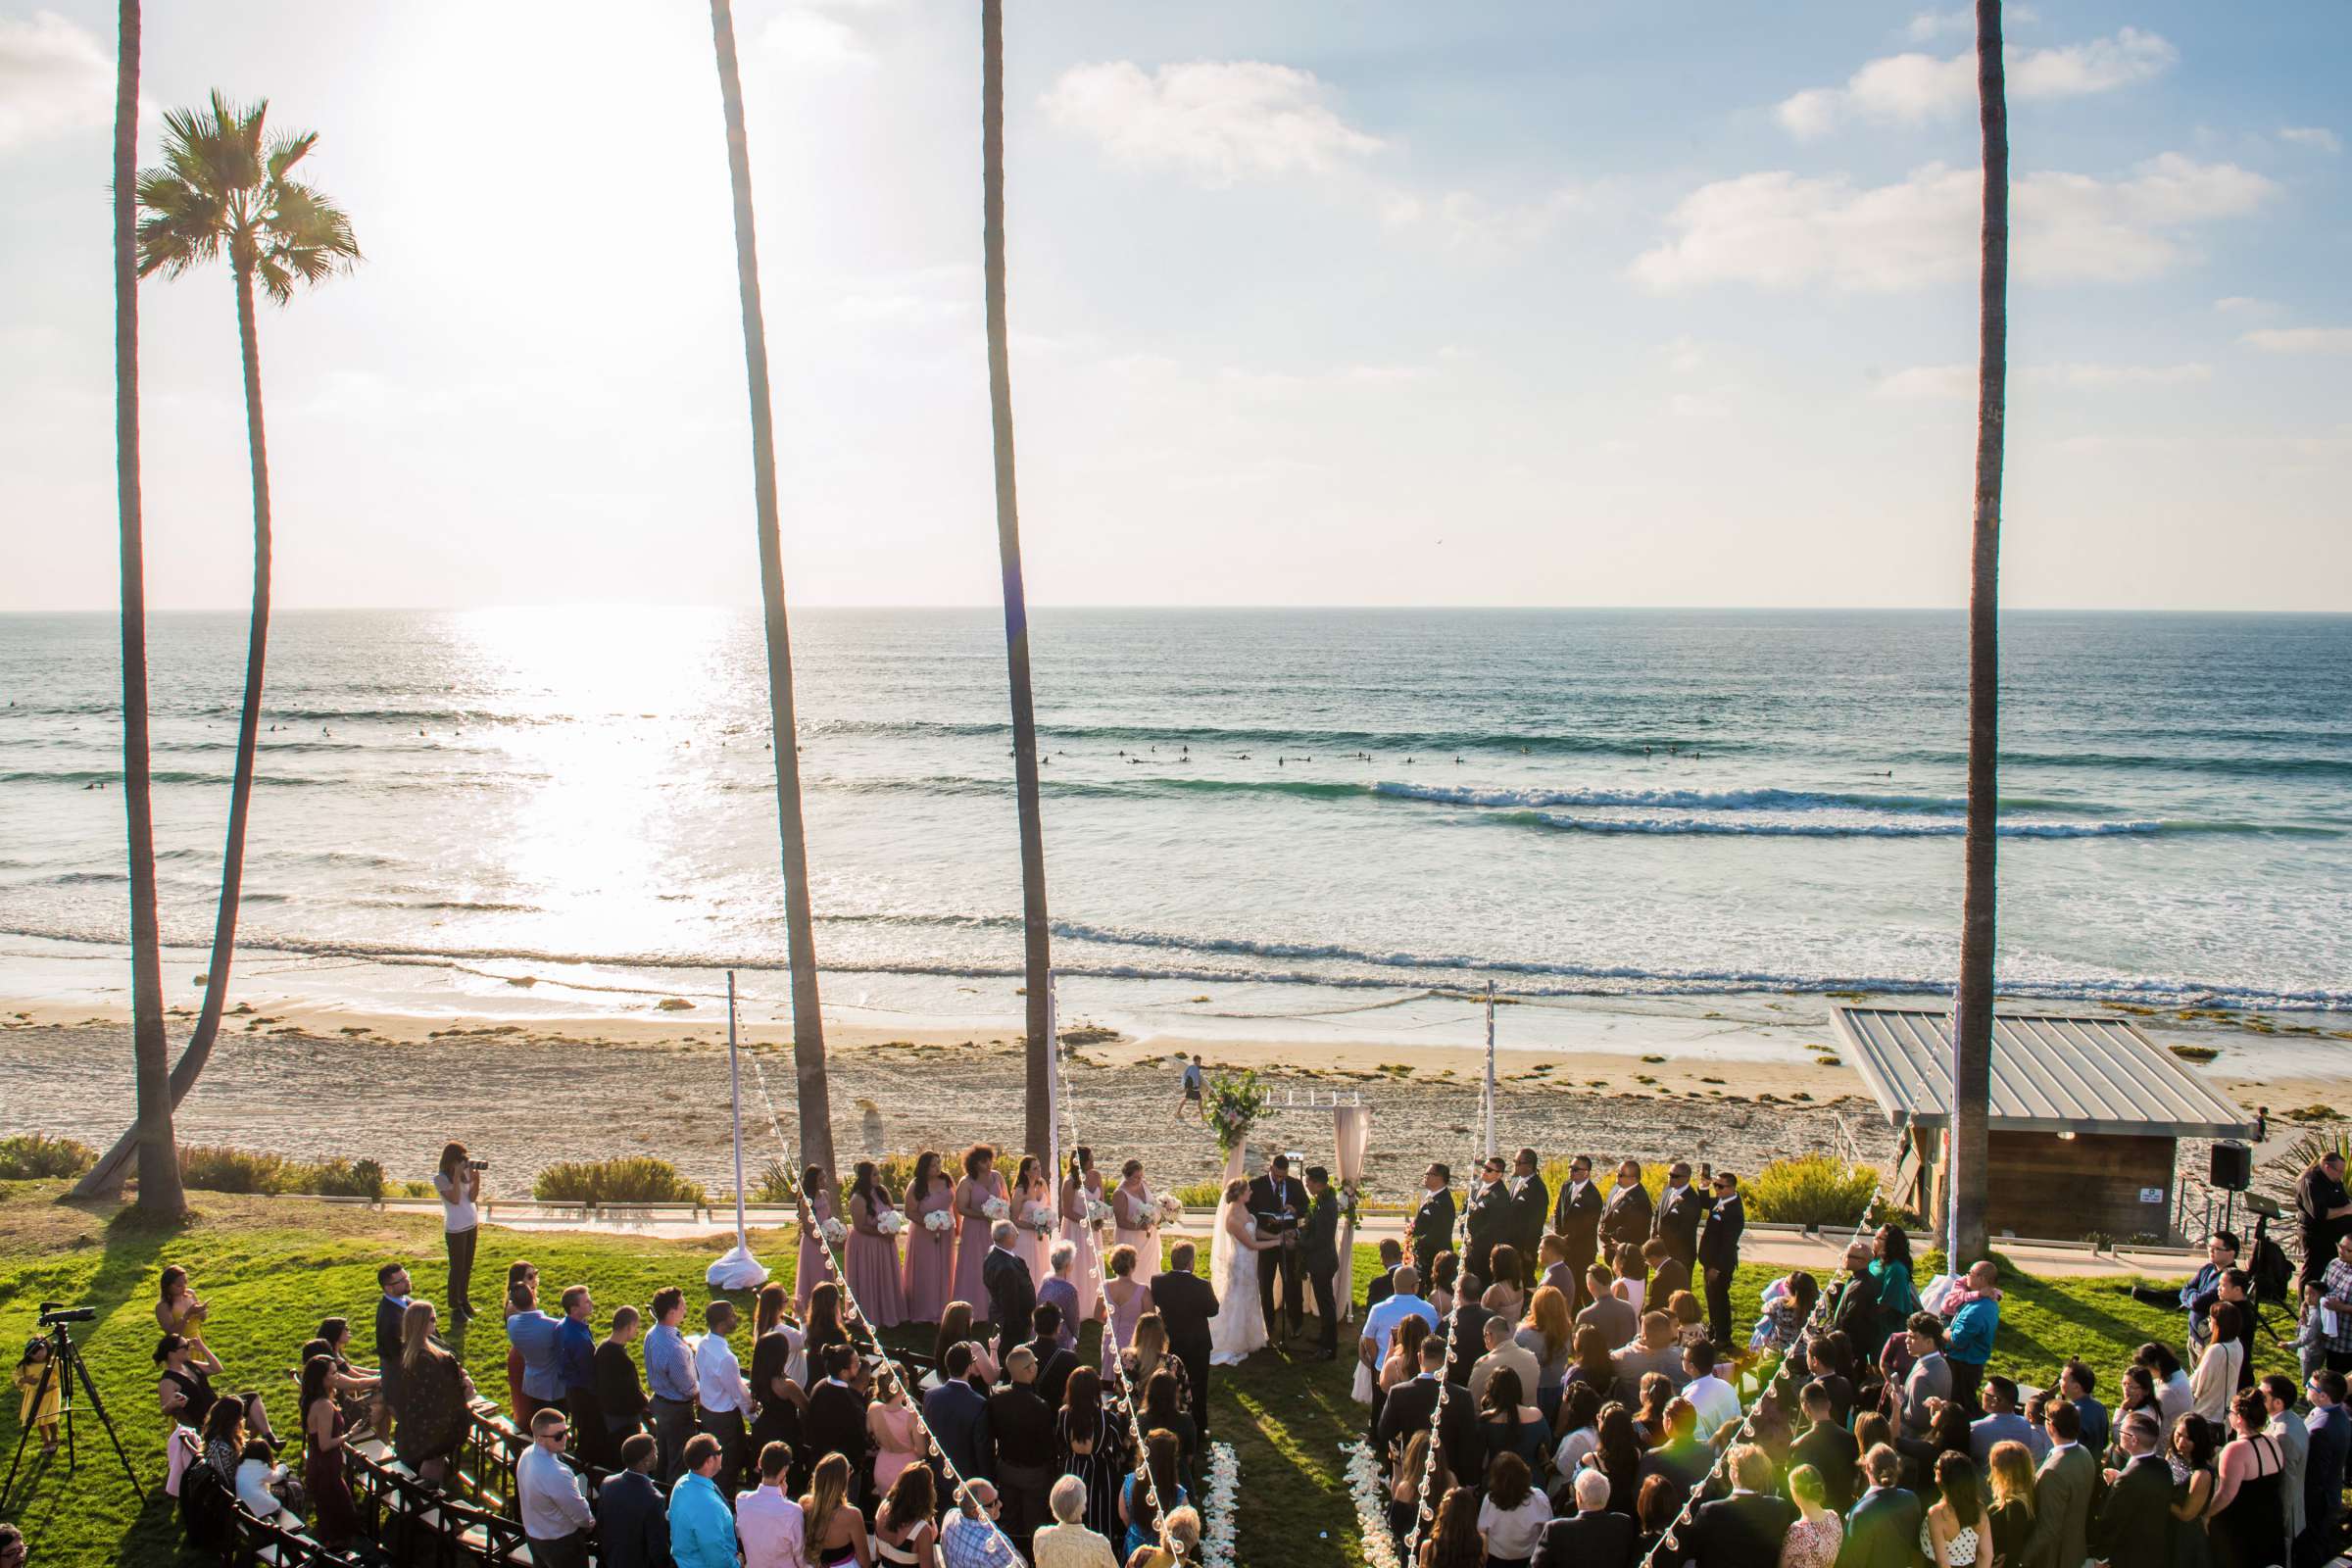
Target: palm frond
(287, 151)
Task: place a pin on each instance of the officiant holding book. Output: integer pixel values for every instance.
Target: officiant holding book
(1278, 1203)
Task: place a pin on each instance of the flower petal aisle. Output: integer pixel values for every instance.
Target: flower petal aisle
(1378, 1546)
(1216, 1509)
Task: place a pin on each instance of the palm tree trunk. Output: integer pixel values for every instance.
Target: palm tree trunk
(158, 1157)
(1971, 1018)
(808, 1017)
(1037, 940)
(107, 1175)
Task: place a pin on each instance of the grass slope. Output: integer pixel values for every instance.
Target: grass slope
(273, 1268)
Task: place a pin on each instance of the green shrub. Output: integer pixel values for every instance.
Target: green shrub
(1604, 1176)
(34, 1156)
(1202, 1193)
(219, 1168)
(342, 1178)
(636, 1179)
(1810, 1190)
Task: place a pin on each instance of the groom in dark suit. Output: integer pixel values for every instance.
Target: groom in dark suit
(1277, 1202)
(1185, 1304)
(1319, 1250)
(1012, 1292)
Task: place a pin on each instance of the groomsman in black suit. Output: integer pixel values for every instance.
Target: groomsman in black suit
(1625, 1220)
(1433, 1222)
(1531, 1200)
(1319, 1251)
(1576, 1216)
(1718, 1253)
(1491, 1220)
(1276, 1202)
(1681, 1208)
(1186, 1303)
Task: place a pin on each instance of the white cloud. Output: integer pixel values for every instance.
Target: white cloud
(1779, 229)
(1912, 88)
(801, 37)
(54, 79)
(1468, 222)
(1929, 26)
(1215, 120)
(2320, 136)
(2301, 340)
(1699, 405)
(1922, 383)
(2243, 305)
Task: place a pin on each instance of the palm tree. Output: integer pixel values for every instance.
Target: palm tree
(158, 1158)
(1971, 1013)
(227, 189)
(1036, 939)
(808, 1017)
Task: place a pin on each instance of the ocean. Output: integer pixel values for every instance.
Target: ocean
(1257, 814)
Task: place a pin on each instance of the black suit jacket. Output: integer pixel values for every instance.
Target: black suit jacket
(1433, 1230)
(1319, 1236)
(388, 1321)
(1603, 1539)
(1830, 1449)
(1625, 1218)
(1185, 1304)
(1677, 1221)
(1532, 1203)
(632, 1522)
(1269, 1200)
(1382, 1287)
(1739, 1531)
(1882, 1531)
(1719, 1242)
(1466, 1329)
(2134, 1525)
(1490, 1225)
(1053, 1368)
(1011, 1294)
(957, 1415)
(1575, 1214)
(835, 1422)
(1408, 1410)
(1021, 1427)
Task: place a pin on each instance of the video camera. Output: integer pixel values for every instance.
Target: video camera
(54, 1312)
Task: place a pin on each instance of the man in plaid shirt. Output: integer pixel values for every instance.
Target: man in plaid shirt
(972, 1538)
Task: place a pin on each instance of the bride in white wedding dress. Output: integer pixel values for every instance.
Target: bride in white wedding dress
(1240, 1326)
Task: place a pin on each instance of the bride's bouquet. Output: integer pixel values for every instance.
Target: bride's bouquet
(996, 1208)
(1037, 1217)
(835, 1232)
(938, 1222)
(891, 1223)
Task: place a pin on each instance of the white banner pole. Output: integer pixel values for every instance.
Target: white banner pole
(1490, 1069)
(739, 1269)
(1054, 1083)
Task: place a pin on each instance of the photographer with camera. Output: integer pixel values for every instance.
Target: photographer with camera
(459, 1184)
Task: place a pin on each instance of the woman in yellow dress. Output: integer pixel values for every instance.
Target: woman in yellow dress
(29, 1377)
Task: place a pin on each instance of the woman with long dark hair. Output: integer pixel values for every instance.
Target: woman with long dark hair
(1455, 1542)
(1515, 1510)
(1089, 1445)
(2192, 1449)
(982, 1185)
(1951, 1526)
(459, 1182)
(1618, 1456)
(930, 1253)
(905, 1532)
(1507, 1423)
(2249, 1513)
(873, 1253)
(825, 1322)
(1150, 1493)
(1081, 1189)
(834, 1526)
(335, 1517)
(428, 1398)
(816, 1209)
(1163, 1411)
(955, 1328)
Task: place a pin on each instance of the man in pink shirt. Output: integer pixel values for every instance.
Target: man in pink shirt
(768, 1523)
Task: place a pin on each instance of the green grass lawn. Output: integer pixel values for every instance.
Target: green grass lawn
(273, 1268)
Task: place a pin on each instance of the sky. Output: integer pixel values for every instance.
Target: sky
(1373, 304)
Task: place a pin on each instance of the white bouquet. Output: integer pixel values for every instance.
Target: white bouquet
(1097, 1212)
(939, 1221)
(1171, 1208)
(996, 1208)
(835, 1232)
(1037, 1217)
(891, 1223)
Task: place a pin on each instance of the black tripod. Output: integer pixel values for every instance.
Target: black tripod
(64, 1362)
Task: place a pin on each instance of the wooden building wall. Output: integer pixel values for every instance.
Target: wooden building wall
(2064, 1189)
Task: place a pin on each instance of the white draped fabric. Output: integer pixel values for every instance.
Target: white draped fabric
(1352, 1125)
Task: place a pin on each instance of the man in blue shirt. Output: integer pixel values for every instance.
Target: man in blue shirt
(1973, 1329)
(2221, 1255)
(669, 1377)
(538, 1339)
(575, 1364)
(2001, 1423)
(702, 1528)
(1403, 1300)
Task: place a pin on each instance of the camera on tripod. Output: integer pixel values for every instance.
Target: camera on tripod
(54, 1312)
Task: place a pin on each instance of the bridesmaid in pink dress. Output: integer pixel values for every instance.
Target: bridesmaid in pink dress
(1130, 1299)
(1029, 1186)
(1134, 1218)
(980, 1184)
(1084, 1184)
(930, 1253)
(817, 1264)
(873, 1258)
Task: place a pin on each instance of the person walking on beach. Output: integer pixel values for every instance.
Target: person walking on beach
(1190, 1090)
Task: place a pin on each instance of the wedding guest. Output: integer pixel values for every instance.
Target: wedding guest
(1180, 1549)
(2335, 1298)
(671, 1380)
(1610, 1314)
(702, 1528)
(335, 1514)
(1883, 1529)
(1163, 1411)
(1055, 1363)
(1827, 1448)
(1576, 1216)
(1549, 1337)
(1011, 1294)
(1786, 1308)
(432, 1417)
(1592, 1537)
(1408, 1479)
(1957, 1518)
(1689, 1322)
(1030, 1195)
(2283, 1425)
(523, 1296)
(2135, 1520)
(2009, 1480)
(2220, 1365)
(770, 1524)
(1515, 1513)
(1592, 1366)
(2001, 1423)
(1020, 1429)
(1432, 1229)
(576, 1361)
(1890, 1270)
(1503, 1351)
(2078, 1383)
(836, 1526)
(723, 1397)
(813, 1202)
(620, 1397)
(895, 1427)
(1126, 1300)
(1057, 1290)
(930, 1253)
(1148, 1354)
(1666, 1273)
(1081, 1189)
(1718, 1253)
(357, 1388)
(905, 1526)
(1976, 1323)
(1089, 1444)
(631, 1526)
(824, 1319)
(1066, 1542)
(1507, 1423)
(1655, 1509)
(974, 1227)
(1413, 1405)
(1654, 1350)
(2328, 1438)
(2248, 1519)
(1504, 1298)
(1392, 1256)
(957, 1413)
(1684, 1460)
(1747, 1528)
(1577, 1429)
(186, 1368)
(955, 1328)
(1454, 1542)
(970, 1537)
(1829, 1358)
(836, 1420)
(538, 1337)
(2194, 1444)
(1442, 1278)
(1818, 1530)
(1185, 1304)
(459, 1182)
(391, 1319)
(1716, 1402)
(1400, 1365)
(555, 1512)
(1618, 1456)
(2062, 1492)
(1854, 1300)
(1151, 1491)
(875, 1269)
(1632, 1277)
(1930, 1378)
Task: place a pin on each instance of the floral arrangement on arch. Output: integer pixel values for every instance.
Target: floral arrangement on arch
(1233, 1103)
